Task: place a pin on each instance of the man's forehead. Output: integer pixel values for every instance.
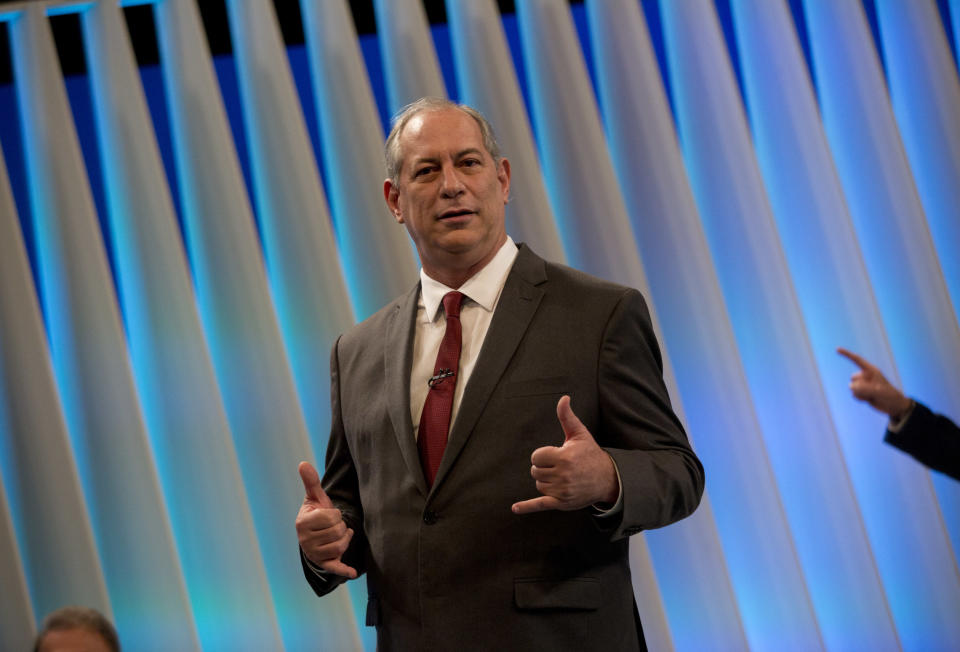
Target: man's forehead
(435, 123)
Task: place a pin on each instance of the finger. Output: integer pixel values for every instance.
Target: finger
(326, 548)
(339, 568)
(324, 530)
(856, 359)
(545, 456)
(543, 474)
(312, 520)
(540, 504)
(572, 426)
(311, 484)
(549, 489)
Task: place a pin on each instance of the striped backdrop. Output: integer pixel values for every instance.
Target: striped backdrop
(180, 244)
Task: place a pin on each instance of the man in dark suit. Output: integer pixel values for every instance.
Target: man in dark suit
(932, 439)
(493, 448)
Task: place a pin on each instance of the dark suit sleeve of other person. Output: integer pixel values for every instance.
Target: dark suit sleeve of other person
(932, 439)
(661, 479)
(340, 483)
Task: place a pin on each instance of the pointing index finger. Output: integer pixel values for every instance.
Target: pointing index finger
(856, 359)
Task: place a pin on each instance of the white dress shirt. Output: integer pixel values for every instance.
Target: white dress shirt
(481, 294)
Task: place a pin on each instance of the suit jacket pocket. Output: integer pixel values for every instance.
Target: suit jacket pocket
(538, 386)
(579, 593)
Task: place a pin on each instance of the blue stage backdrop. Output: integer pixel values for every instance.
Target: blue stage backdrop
(181, 242)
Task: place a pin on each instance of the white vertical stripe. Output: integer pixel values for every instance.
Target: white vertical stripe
(488, 82)
(649, 597)
(16, 616)
(237, 313)
(26, 382)
(181, 400)
(406, 48)
(92, 366)
(699, 598)
(377, 256)
(798, 432)
(301, 255)
(925, 92)
(591, 213)
(893, 234)
(44, 494)
(839, 307)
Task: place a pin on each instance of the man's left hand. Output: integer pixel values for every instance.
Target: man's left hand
(572, 476)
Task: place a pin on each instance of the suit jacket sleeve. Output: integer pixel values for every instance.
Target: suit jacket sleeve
(932, 439)
(661, 478)
(342, 487)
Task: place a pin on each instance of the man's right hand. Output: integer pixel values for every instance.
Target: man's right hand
(870, 385)
(323, 535)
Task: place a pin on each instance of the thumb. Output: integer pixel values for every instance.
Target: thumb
(311, 484)
(573, 428)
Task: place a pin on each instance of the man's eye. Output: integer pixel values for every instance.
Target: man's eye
(470, 162)
(422, 171)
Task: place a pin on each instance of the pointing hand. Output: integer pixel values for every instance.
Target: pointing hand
(870, 385)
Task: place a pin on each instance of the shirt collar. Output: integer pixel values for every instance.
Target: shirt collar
(483, 288)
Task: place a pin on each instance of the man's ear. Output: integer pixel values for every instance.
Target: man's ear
(503, 174)
(391, 194)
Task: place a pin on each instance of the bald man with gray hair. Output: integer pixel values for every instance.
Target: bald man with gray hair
(499, 432)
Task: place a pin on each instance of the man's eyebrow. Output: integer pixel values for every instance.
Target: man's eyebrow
(425, 159)
(420, 160)
(460, 154)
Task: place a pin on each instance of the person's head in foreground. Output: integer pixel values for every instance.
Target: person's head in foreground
(77, 629)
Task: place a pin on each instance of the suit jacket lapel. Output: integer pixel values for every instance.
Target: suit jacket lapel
(517, 305)
(398, 356)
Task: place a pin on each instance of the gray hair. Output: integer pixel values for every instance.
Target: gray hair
(391, 150)
(90, 620)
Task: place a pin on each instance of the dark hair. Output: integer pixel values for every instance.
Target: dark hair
(68, 618)
(391, 149)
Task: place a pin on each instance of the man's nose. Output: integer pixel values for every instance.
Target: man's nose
(451, 185)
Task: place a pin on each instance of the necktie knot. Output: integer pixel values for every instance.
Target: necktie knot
(451, 304)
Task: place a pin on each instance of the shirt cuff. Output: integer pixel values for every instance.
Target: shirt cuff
(896, 425)
(319, 572)
(601, 510)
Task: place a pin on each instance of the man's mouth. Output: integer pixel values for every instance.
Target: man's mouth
(458, 212)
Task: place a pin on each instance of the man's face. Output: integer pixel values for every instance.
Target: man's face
(449, 194)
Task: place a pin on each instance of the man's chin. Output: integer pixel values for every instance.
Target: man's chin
(463, 247)
(460, 241)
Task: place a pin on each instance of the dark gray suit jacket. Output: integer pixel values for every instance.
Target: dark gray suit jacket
(931, 438)
(452, 567)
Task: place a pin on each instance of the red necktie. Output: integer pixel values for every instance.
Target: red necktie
(435, 418)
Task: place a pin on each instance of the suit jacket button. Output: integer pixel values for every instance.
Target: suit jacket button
(429, 517)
